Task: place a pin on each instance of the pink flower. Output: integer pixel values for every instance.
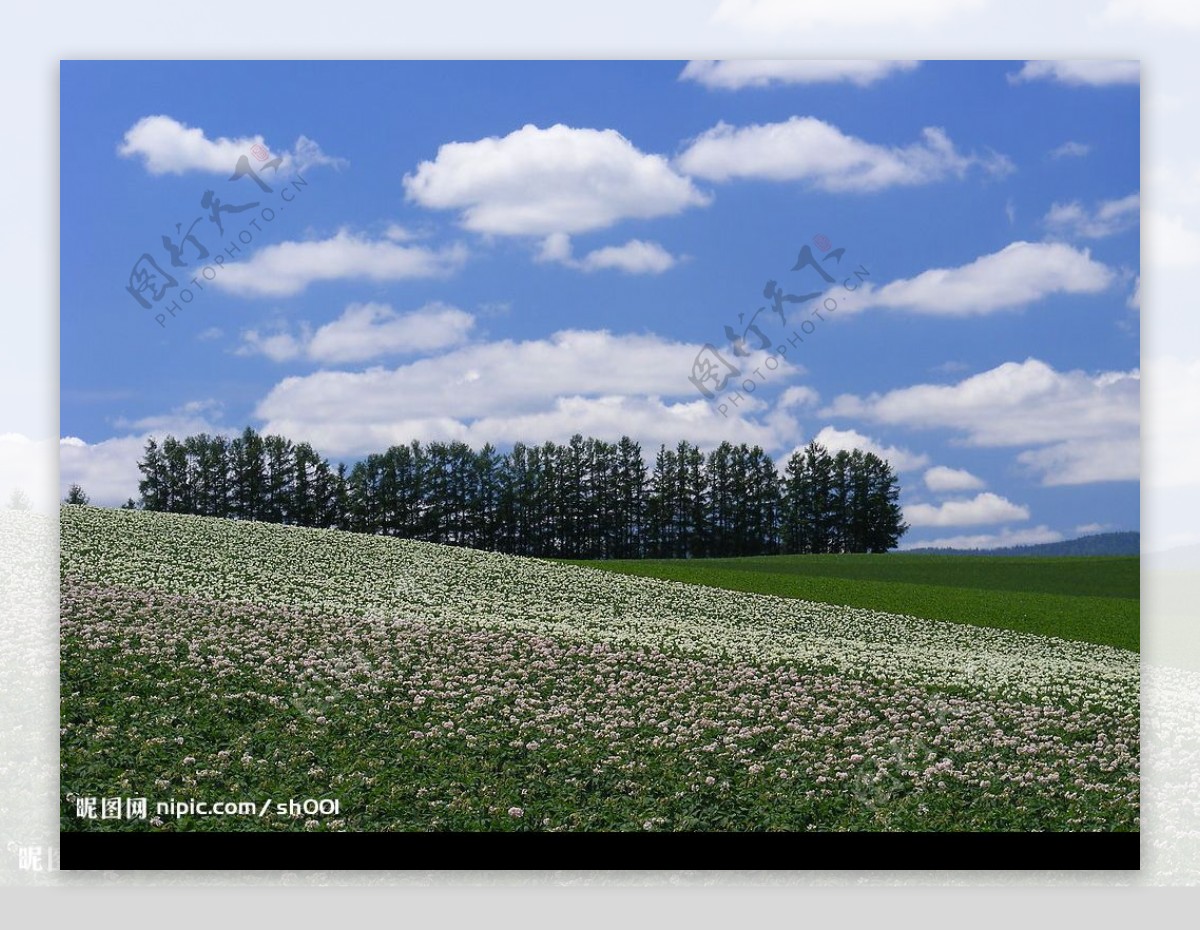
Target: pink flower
(516, 812)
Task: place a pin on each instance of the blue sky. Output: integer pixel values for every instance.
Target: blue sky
(501, 251)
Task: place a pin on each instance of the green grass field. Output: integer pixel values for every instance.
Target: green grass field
(1092, 600)
(409, 686)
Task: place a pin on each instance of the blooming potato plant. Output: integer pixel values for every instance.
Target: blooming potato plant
(428, 687)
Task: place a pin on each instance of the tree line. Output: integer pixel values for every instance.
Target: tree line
(585, 499)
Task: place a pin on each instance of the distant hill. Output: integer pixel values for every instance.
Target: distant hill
(1099, 544)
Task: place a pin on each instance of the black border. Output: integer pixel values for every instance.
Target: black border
(858, 851)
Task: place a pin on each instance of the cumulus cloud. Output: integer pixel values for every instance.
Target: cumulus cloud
(288, 268)
(279, 344)
(167, 146)
(107, 470)
(838, 440)
(557, 180)
(650, 420)
(1089, 529)
(1079, 73)
(1016, 276)
(981, 509)
(814, 15)
(798, 395)
(1070, 149)
(941, 479)
(1086, 461)
(809, 150)
(634, 257)
(1107, 218)
(735, 74)
(1006, 537)
(573, 381)
(363, 332)
(1079, 427)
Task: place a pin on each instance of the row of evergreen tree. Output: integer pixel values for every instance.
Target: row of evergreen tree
(587, 498)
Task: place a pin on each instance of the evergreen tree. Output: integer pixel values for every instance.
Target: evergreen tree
(884, 519)
(660, 506)
(726, 501)
(179, 480)
(279, 496)
(630, 513)
(484, 505)
(588, 498)
(691, 502)
(153, 484)
(247, 458)
(763, 504)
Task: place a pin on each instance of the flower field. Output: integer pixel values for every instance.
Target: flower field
(431, 688)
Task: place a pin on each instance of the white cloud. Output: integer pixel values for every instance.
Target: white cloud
(289, 267)
(1070, 149)
(210, 334)
(980, 509)
(1019, 274)
(1086, 461)
(1006, 537)
(941, 479)
(634, 257)
(1134, 301)
(556, 247)
(307, 154)
(1083, 72)
(557, 180)
(363, 332)
(397, 233)
(1107, 218)
(1088, 529)
(650, 420)
(734, 74)
(279, 345)
(814, 15)
(838, 440)
(797, 396)
(167, 146)
(1079, 427)
(366, 331)
(196, 416)
(108, 471)
(806, 149)
(579, 380)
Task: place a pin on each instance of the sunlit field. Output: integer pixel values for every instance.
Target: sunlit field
(1093, 599)
(433, 688)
